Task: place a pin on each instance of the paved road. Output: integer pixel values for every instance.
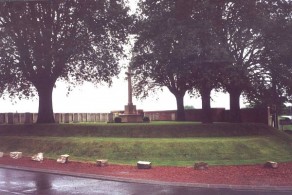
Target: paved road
(18, 182)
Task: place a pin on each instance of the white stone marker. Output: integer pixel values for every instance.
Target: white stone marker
(63, 158)
(271, 164)
(38, 157)
(201, 166)
(102, 163)
(144, 165)
(16, 155)
(1, 154)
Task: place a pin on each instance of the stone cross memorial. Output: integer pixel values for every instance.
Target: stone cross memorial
(130, 108)
(130, 115)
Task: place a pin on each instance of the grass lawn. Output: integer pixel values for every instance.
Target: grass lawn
(287, 127)
(164, 143)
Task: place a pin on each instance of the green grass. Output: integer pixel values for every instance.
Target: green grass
(287, 127)
(159, 143)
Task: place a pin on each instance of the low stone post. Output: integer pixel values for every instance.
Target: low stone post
(144, 165)
(201, 166)
(16, 155)
(102, 163)
(271, 164)
(63, 159)
(38, 157)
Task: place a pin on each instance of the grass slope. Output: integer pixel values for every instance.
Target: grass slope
(138, 130)
(257, 144)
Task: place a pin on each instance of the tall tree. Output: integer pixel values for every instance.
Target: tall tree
(207, 78)
(69, 40)
(213, 56)
(163, 49)
(174, 39)
(236, 24)
(276, 32)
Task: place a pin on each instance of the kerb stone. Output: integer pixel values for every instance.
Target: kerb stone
(271, 164)
(63, 159)
(15, 155)
(102, 163)
(144, 165)
(201, 166)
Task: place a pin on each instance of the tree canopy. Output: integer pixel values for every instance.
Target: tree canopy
(240, 47)
(43, 41)
(174, 39)
(203, 45)
(276, 31)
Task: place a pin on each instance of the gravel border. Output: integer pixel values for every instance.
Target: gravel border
(143, 181)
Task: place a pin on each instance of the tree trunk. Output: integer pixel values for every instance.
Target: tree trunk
(206, 106)
(180, 113)
(45, 113)
(235, 116)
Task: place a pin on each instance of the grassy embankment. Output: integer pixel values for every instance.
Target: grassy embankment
(162, 143)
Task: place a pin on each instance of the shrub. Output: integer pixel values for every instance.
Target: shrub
(118, 119)
(146, 119)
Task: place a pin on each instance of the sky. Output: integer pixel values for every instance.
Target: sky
(90, 99)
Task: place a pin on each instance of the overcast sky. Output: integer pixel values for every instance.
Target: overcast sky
(87, 98)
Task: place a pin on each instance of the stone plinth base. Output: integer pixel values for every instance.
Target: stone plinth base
(131, 118)
(130, 109)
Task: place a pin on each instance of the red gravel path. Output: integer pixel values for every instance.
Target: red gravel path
(232, 175)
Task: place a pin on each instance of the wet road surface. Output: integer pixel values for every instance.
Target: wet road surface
(17, 182)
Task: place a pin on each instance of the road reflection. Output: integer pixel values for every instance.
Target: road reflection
(24, 182)
(42, 182)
